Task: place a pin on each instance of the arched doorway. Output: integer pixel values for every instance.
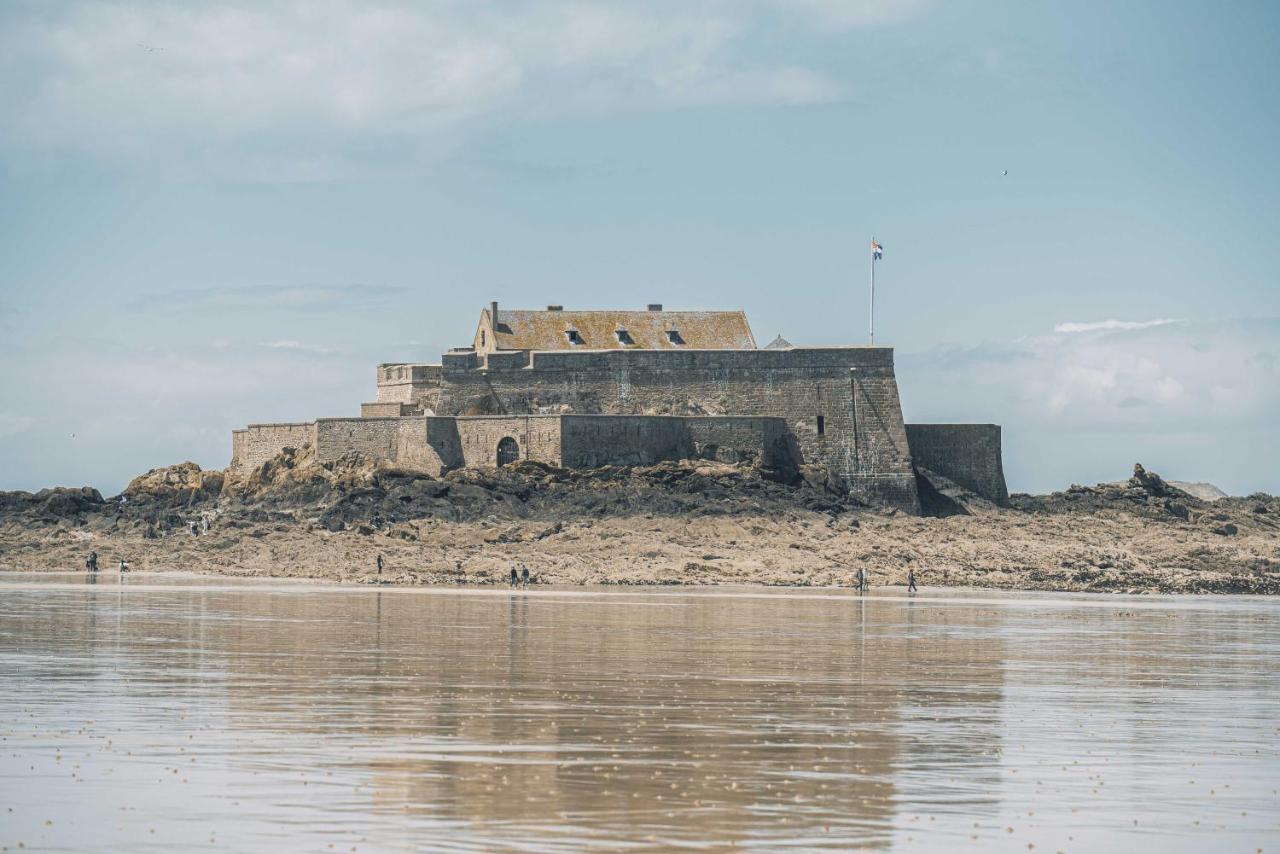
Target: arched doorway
(508, 451)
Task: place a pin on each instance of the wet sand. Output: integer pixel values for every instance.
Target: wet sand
(184, 712)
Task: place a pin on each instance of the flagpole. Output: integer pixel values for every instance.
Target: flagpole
(873, 293)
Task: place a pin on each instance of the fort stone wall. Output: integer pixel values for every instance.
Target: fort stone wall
(968, 454)
(416, 385)
(386, 410)
(840, 403)
(257, 443)
(755, 440)
(537, 438)
(373, 437)
(630, 440)
(590, 441)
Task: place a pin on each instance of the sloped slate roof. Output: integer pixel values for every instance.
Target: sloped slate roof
(778, 343)
(523, 329)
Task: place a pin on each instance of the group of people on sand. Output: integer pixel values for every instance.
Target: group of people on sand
(862, 580)
(91, 563)
(519, 578)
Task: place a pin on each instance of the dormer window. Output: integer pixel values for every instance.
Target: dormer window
(624, 337)
(574, 338)
(674, 336)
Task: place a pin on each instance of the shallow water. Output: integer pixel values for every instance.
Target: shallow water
(188, 713)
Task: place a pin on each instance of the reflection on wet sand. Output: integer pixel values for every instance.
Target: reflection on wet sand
(545, 720)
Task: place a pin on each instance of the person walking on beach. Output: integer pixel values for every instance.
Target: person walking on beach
(515, 578)
(91, 562)
(124, 566)
(524, 575)
(911, 581)
(862, 579)
(380, 564)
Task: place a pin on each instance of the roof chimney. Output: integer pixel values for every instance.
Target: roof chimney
(493, 313)
(555, 308)
(655, 306)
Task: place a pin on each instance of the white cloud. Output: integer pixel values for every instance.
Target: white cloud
(294, 89)
(1113, 325)
(290, 344)
(1078, 405)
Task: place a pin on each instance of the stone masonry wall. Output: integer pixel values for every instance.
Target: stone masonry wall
(862, 439)
(590, 441)
(741, 439)
(385, 410)
(378, 438)
(537, 436)
(409, 384)
(257, 443)
(629, 440)
(968, 454)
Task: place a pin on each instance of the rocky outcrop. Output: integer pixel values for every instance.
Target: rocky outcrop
(694, 521)
(184, 483)
(57, 502)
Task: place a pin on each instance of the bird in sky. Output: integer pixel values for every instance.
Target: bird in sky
(148, 48)
(1005, 172)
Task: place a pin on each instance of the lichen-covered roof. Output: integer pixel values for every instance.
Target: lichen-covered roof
(523, 329)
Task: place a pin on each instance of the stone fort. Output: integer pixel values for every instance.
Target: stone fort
(593, 388)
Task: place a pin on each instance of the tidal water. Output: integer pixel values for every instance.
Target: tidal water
(182, 713)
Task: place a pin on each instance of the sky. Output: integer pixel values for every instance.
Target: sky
(216, 214)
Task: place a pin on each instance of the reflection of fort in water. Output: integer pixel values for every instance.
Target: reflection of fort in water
(688, 712)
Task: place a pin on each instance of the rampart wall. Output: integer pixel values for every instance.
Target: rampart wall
(437, 444)
(759, 440)
(628, 440)
(374, 437)
(538, 438)
(408, 383)
(853, 389)
(968, 454)
(257, 443)
(385, 410)
(590, 441)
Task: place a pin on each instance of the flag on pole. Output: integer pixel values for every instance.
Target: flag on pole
(877, 251)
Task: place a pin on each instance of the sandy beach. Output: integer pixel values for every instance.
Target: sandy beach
(675, 524)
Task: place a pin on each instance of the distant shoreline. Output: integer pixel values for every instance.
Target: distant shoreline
(692, 524)
(956, 595)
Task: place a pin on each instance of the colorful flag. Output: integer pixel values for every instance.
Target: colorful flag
(877, 251)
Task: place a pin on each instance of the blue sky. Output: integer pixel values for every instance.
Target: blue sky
(216, 214)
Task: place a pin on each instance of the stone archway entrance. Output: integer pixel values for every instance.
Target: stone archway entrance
(508, 451)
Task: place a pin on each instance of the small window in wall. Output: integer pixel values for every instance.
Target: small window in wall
(574, 338)
(624, 337)
(674, 336)
(822, 425)
(481, 337)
